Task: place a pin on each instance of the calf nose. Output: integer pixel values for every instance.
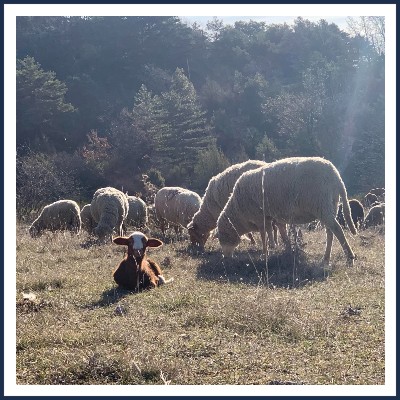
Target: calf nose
(138, 252)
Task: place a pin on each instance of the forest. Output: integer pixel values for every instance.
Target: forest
(127, 101)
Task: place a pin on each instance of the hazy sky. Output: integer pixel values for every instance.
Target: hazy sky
(230, 20)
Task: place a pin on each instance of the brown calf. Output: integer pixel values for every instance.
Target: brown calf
(136, 271)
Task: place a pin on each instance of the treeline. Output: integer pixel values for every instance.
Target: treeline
(106, 100)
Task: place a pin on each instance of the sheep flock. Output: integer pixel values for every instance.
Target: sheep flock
(246, 198)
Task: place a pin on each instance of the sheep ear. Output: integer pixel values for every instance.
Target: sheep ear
(121, 240)
(154, 242)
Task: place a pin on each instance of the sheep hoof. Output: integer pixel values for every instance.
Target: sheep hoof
(325, 263)
(350, 262)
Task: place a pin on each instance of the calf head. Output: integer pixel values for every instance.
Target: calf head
(137, 244)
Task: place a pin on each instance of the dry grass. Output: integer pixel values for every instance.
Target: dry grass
(238, 321)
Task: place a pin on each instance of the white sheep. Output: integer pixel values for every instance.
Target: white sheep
(88, 223)
(60, 215)
(294, 190)
(175, 205)
(137, 214)
(109, 208)
(375, 216)
(215, 197)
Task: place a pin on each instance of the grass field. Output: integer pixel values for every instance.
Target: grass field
(240, 321)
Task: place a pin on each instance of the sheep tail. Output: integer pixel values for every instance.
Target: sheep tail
(346, 209)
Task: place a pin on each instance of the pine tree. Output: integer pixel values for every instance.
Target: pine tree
(40, 104)
(185, 131)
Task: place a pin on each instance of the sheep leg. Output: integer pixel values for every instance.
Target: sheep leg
(284, 235)
(251, 237)
(337, 230)
(275, 228)
(264, 244)
(162, 226)
(328, 248)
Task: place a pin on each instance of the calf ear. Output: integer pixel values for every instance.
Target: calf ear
(154, 242)
(121, 240)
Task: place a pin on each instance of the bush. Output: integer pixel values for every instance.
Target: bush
(155, 177)
(43, 179)
(210, 162)
(267, 151)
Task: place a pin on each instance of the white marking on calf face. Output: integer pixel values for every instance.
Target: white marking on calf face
(138, 242)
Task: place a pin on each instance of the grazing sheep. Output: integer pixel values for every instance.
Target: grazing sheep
(369, 199)
(379, 192)
(137, 214)
(175, 205)
(109, 209)
(375, 203)
(357, 213)
(136, 271)
(216, 195)
(294, 190)
(88, 223)
(60, 215)
(375, 216)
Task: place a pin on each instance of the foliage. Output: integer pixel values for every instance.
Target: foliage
(136, 93)
(155, 177)
(210, 162)
(43, 179)
(40, 103)
(372, 28)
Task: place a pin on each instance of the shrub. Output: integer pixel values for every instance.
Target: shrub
(209, 163)
(43, 179)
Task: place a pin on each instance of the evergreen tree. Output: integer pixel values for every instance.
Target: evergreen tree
(184, 133)
(40, 104)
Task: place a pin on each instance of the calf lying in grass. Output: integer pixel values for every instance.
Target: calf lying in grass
(136, 271)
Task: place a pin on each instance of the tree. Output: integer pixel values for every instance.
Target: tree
(184, 132)
(372, 28)
(210, 162)
(132, 137)
(40, 106)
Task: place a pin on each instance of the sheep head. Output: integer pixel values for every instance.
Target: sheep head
(137, 243)
(34, 231)
(197, 238)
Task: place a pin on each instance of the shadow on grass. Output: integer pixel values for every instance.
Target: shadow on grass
(110, 297)
(283, 269)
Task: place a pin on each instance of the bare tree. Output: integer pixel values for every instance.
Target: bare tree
(372, 28)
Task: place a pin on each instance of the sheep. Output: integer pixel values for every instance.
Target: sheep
(175, 205)
(109, 208)
(369, 199)
(137, 213)
(293, 190)
(375, 216)
(379, 192)
(136, 271)
(215, 197)
(357, 213)
(88, 223)
(60, 215)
